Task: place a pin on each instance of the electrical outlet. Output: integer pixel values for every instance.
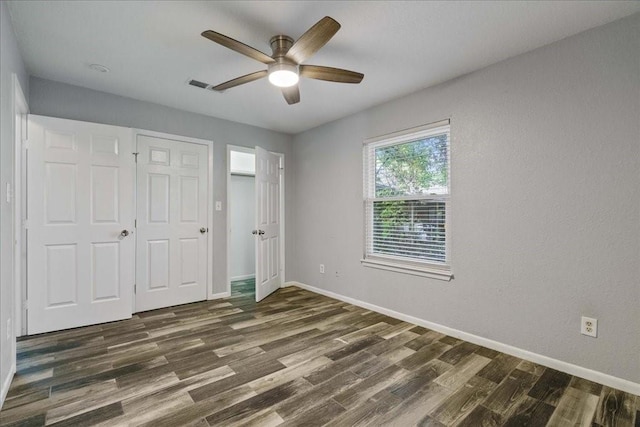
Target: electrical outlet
(589, 327)
(322, 268)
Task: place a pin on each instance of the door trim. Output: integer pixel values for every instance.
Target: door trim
(20, 106)
(210, 206)
(252, 150)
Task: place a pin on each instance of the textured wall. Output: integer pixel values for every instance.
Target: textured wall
(10, 63)
(54, 99)
(545, 227)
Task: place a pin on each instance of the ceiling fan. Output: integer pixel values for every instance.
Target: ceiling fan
(284, 66)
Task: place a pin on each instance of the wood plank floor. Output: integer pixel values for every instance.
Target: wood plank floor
(295, 359)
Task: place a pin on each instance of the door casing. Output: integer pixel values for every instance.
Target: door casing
(20, 136)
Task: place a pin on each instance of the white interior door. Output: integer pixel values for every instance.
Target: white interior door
(172, 239)
(79, 200)
(267, 232)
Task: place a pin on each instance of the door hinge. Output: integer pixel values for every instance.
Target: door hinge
(135, 223)
(135, 288)
(135, 155)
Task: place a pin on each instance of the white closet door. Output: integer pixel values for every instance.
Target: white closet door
(268, 277)
(79, 202)
(172, 199)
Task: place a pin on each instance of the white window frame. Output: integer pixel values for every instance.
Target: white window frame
(401, 264)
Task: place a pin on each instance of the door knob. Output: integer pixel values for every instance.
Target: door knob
(124, 233)
(254, 232)
(260, 232)
(203, 230)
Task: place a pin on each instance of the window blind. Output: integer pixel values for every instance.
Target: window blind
(406, 183)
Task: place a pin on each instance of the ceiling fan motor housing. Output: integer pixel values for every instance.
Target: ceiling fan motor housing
(283, 72)
(280, 45)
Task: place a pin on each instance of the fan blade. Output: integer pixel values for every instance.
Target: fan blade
(315, 37)
(238, 46)
(241, 80)
(330, 74)
(291, 94)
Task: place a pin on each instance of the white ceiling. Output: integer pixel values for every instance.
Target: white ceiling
(153, 47)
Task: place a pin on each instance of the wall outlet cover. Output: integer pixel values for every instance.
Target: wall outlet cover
(589, 327)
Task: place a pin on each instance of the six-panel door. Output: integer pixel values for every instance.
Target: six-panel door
(268, 275)
(80, 200)
(172, 206)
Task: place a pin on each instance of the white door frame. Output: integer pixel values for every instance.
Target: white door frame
(212, 232)
(252, 150)
(19, 192)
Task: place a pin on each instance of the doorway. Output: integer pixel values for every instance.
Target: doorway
(242, 263)
(255, 208)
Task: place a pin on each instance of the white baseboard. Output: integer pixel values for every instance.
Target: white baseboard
(569, 368)
(6, 384)
(243, 277)
(220, 295)
(298, 284)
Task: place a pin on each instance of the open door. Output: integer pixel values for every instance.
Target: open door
(267, 232)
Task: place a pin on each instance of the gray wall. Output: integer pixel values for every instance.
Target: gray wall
(55, 99)
(243, 202)
(10, 62)
(545, 226)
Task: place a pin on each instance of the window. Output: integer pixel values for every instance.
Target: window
(406, 196)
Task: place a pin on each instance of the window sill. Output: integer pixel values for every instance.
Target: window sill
(424, 271)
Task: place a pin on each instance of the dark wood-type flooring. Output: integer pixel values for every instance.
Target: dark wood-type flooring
(296, 358)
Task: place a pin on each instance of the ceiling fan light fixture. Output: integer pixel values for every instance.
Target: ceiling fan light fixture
(284, 67)
(283, 75)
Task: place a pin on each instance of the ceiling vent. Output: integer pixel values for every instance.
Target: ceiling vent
(201, 85)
